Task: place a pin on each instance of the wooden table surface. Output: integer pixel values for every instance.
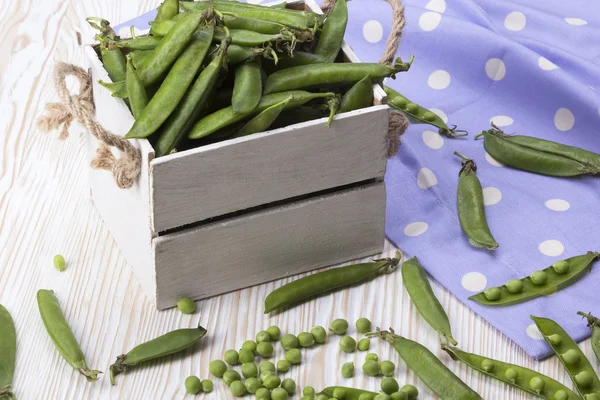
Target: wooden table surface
(45, 209)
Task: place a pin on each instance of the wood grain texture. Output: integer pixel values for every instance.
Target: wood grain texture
(45, 208)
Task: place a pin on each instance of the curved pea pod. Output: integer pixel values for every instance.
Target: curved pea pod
(327, 281)
(61, 334)
(8, 352)
(174, 87)
(351, 393)
(570, 271)
(136, 92)
(264, 120)
(578, 367)
(501, 147)
(140, 43)
(249, 38)
(168, 9)
(255, 25)
(417, 114)
(513, 375)
(113, 60)
(418, 287)
(169, 343)
(594, 325)
(247, 87)
(332, 34)
(547, 146)
(161, 28)
(138, 57)
(225, 117)
(471, 210)
(428, 368)
(331, 74)
(358, 96)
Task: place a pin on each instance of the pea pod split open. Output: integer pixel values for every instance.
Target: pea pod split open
(8, 353)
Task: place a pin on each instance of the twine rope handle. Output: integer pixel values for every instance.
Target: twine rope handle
(81, 107)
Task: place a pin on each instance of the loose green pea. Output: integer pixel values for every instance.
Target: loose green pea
(232, 357)
(274, 332)
(289, 341)
(387, 368)
(252, 385)
(539, 278)
(584, 379)
(267, 366)
(371, 368)
(339, 326)
(561, 267)
(59, 263)
(246, 356)
(571, 357)
(364, 344)
(283, 366)
(249, 345)
(249, 370)
(487, 365)
(372, 356)
(389, 385)
(289, 385)
(319, 333)
(272, 381)
(306, 339)
(231, 376)
(237, 388)
(347, 344)
(186, 306)
(398, 396)
(555, 339)
(279, 394)
(382, 396)
(264, 375)
(511, 374)
(339, 393)
(294, 356)
(348, 370)
(193, 384)
(514, 286)
(263, 336)
(411, 391)
(492, 293)
(217, 368)
(561, 395)
(363, 325)
(263, 394)
(207, 385)
(308, 391)
(537, 384)
(264, 349)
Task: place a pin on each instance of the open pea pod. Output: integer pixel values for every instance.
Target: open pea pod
(350, 393)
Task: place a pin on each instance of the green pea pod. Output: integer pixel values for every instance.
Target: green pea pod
(226, 116)
(471, 210)
(8, 350)
(428, 368)
(502, 148)
(167, 10)
(559, 275)
(574, 153)
(250, 38)
(61, 334)
(419, 115)
(327, 281)
(136, 92)
(570, 355)
(140, 43)
(358, 96)
(298, 58)
(255, 25)
(172, 90)
(238, 54)
(138, 57)
(194, 103)
(351, 393)
(117, 89)
(264, 120)
(279, 5)
(513, 375)
(330, 74)
(594, 325)
(247, 88)
(332, 35)
(417, 285)
(161, 28)
(113, 60)
(169, 343)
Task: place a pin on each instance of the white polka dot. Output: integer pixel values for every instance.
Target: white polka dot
(415, 228)
(492, 160)
(372, 31)
(429, 20)
(443, 115)
(558, 205)
(491, 196)
(576, 21)
(439, 79)
(426, 178)
(515, 21)
(546, 64)
(436, 5)
(564, 119)
(495, 69)
(433, 140)
(501, 120)
(533, 332)
(474, 281)
(551, 248)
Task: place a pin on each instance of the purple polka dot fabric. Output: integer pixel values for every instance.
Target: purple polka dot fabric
(533, 68)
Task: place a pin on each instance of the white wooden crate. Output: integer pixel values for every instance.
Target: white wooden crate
(244, 211)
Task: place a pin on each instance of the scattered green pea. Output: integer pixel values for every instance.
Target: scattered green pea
(347, 344)
(265, 375)
(561, 395)
(487, 365)
(387, 368)
(279, 394)
(411, 391)
(262, 336)
(231, 357)
(274, 332)
(372, 356)
(193, 384)
(309, 391)
(339, 393)
(249, 345)
(398, 396)
(186, 306)
(263, 394)
(363, 325)
(492, 293)
(319, 333)
(561, 267)
(371, 368)
(289, 341)
(348, 370)
(217, 368)
(306, 339)
(555, 339)
(389, 385)
(272, 381)
(283, 366)
(59, 263)
(289, 385)
(249, 370)
(584, 378)
(252, 385)
(514, 286)
(294, 356)
(537, 384)
(364, 344)
(511, 374)
(246, 356)
(539, 277)
(267, 366)
(231, 376)
(264, 349)
(237, 388)
(382, 396)
(207, 385)
(571, 357)
(339, 326)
